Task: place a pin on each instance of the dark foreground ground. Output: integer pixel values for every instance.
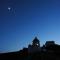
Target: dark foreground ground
(27, 56)
(49, 52)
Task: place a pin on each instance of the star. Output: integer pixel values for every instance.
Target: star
(9, 8)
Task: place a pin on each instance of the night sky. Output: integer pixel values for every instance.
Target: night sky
(22, 20)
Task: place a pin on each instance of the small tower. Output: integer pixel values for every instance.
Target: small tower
(35, 45)
(36, 42)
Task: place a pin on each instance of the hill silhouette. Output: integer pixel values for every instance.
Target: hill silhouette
(49, 51)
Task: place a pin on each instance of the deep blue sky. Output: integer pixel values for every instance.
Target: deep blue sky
(27, 19)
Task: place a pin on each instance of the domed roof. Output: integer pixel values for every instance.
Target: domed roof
(35, 39)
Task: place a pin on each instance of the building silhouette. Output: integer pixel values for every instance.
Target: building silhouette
(49, 43)
(49, 51)
(35, 47)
